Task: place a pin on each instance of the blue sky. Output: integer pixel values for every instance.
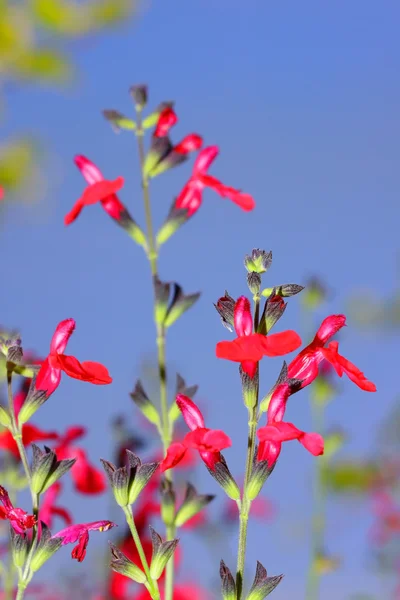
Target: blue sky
(302, 99)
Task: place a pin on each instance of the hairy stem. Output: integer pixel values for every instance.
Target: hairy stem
(245, 504)
(166, 433)
(152, 583)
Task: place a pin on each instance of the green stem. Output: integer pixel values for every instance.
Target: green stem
(166, 433)
(318, 514)
(152, 583)
(244, 508)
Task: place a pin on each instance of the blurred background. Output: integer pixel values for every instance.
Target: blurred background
(303, 100)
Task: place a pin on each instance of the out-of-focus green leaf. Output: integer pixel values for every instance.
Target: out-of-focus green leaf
(43, 64)
(17, 159)
(371, 313)
(71, 19)
(351, 477)
(322, 390)
(333, 443)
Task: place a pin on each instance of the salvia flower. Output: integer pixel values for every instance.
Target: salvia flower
(208, 442)
(19, 519)
(166, 120)
(49, 375)
(80, 534)
(190, 197)
(249, 348)
(306, 365)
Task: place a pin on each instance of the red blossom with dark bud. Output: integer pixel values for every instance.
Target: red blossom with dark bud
(306, 365)
(99, 190)
(19, 519)
(30, 434)
(208, 442)
(49, 375)
(190, 143)
(190, 197)
(80, 534)
(48, 508)
(166, 120)
(249, 348)
(87, 478)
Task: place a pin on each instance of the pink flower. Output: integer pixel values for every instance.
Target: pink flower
(249, 348)
(191, 195)
(208, 442)
(80, 534)
(306, 365)
(19, 519)
(49, 375)
(99, 190)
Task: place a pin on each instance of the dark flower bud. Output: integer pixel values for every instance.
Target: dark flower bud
(139, 94)
(262, 585)
(192, 504)
(46, 469)
(258, 262)
(225, 308)
(145, 405)
(254, 282)
(121, 564)
(228, 585)
(162, 553)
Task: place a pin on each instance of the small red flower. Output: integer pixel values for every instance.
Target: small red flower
(49, 509)
(49, 375)
(208, 442)
(249, 348)
(279, 432)
(191, 195)
(99, 190)
(80, 534)
(166, 120)
(30, 435)
(305, 366)
(19, 519)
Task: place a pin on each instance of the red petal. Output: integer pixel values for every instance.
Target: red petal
(249, 367)
(190, 412)
(313, 442)
(74, 212)
(242, 317)
(245, 201)
(190, 198)
(175, 453)
(190, 143)
(60, 338)
(87, 479)
(166, 120)
(208, 440)
(328, 328)
(205, 158)
(278, 344)
(100, 190)
(92, 372)
(88, 169)
(342, 364)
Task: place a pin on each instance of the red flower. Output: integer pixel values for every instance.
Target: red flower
(86, 477)
(49, 375)
(249, 348)
(305, 366)
(99, 190)
(166, 120)
(49, 510)
(19, 519)
(191, 195)
(30, 435)
(208, 442)
(276, 431)
(80, 534)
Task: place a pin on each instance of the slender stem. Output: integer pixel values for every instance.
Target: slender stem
(153, 586)
(244, 510)
(319, 502)
(166, 433)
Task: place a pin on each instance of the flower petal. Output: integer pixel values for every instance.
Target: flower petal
(328, 328)
(340, 363)
(190, 412)
(175, 453)
(91, 372)
(242, 317)
(60, 338)
(88, 169)
(278, 344)
(205, 158)
(190, 143)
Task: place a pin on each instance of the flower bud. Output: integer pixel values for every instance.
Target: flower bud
(152, 119)
(142, 478)
(46, 469)
(192, 504)
(121, 564)
(145, 405)
(139, 94)
(119, 121)
(10, 346)
(254, 283)
(32, 403)
(258, 262)
(281, 379)
(19, 547)
(273, 310)
(262, 585)
(228, 585)
(160, 148)
(162, 553)
(127, 482)
(285, 291)
(46, 547)
(223, 476)
(167, 502)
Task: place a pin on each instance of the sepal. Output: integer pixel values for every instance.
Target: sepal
(46, 547)
(262, 585)
(228, 585)
(254, 283)
(33, 401)
(5, 419)
(121, 564)
(167, 502)
(162, 553)
(160, 149)
(285, 291)
(224, 478)
(273, 310)
(19, 547)
(259, 475)
(119, 121)
(127, 482)
(258, 262)
(46, 469)
(192, 504)
(226, 307)
(139, 94)
(144, 403)
(167, 310)
(175, 219)
(249, 388)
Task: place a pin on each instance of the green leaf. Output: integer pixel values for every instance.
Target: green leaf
(43, 64)
(17, 163)
(351, 477)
